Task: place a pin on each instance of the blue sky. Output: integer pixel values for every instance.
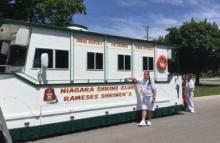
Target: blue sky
(129, 17)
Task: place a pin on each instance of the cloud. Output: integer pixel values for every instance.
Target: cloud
(131, 25)
(207, 10)
(159, 19)
(210, 11)
(142, 3)
(159, 24)
(127, 3)
(122, 26)
(177, 2)
(131, 3)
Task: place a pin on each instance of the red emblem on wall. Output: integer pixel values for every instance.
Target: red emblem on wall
(49, 95)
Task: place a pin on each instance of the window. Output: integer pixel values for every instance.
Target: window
(62, 58)
(124, 62)
(17, 55)
(148, 63)
(90, 61)
(145, 63)
(151, 63)
(94, 61)
(127, 62)
(99, 61)
(37, 57)
(120, 62)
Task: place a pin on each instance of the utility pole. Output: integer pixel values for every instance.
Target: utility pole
(146, 28)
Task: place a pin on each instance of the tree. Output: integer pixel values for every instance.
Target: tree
(160, 39)
(55, 12)
(199, 46)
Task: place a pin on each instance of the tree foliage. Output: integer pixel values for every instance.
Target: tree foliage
(199, 43)
(56, 12)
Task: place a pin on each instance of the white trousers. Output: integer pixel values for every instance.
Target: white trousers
(190, 104)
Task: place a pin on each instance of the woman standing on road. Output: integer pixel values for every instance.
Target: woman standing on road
(149, 95)
(190, 93)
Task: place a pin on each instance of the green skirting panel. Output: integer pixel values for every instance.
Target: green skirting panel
(32, 133)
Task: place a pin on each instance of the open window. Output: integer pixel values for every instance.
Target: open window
(3, 58)
(37, 57)
(61, 59)
(17, 55)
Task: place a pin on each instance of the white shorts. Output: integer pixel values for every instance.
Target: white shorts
(147, 103)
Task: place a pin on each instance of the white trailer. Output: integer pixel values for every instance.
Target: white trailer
(57, 80)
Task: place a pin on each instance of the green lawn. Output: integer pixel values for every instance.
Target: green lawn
(205, 90)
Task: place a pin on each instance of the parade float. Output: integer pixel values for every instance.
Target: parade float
(58, 80)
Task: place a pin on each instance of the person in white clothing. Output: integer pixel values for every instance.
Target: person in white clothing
(190, 93)
(149, 95)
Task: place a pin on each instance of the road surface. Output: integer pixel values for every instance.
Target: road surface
(203, 126)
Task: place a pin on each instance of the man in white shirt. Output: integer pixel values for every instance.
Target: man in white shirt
(149, 95)
(190, 89)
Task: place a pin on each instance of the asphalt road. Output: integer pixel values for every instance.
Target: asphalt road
(203, 126)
